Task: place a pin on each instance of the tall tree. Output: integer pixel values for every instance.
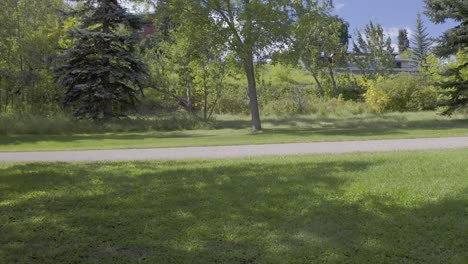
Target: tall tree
(373, 52)
(453, 41)
(252, 28)
(320, 40)
(100, 72)
(403, 41)
(420, 41)
(29, 35)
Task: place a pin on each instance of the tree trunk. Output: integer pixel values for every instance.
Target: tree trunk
(1, 86)
(332, 77)
(21, 60)
(205, 95)
(188, 90)
(252, 90)
(319, 85)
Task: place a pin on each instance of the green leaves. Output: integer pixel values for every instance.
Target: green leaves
(101, 74)
(373, 52)
(454, 41)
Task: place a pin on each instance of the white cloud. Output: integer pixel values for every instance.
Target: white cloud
(339, 6)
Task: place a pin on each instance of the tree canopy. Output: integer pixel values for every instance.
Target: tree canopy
(421, 43)
(373, 51)
(453, 42)
(100, 72)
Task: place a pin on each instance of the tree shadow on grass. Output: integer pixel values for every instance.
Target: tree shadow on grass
(368, 121)
(15, 140)
(359, 126)
(214, 212)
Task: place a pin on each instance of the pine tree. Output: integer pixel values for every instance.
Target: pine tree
(454, 41)
(100, 73)
(403, 41)
(421, 42)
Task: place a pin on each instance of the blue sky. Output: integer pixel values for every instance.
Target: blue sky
(391, 14)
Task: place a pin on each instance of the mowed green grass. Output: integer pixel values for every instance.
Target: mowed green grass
(399, 207)
(234, 130)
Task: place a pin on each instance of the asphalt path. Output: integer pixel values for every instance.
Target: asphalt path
(225, 152)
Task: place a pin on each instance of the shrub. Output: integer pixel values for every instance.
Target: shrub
(401, 92)
(350, 86)
(312, 104)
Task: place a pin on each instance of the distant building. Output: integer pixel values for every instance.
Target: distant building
(401, 65)
(405, 65)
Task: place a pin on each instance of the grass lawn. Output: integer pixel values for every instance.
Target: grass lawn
(234, 131)
(399, 207)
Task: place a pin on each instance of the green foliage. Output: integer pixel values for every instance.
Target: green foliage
(433, 68)
(29, 34)
(406, 54)
(454, 41)
(100, 73)
(320, 42)
(401, 92)
(372, 52)
(265, 25)
(421, 42)
(312, 104)
(454, 38)
(403, 41)
(350, 87)
(206, 57)
(454, 83)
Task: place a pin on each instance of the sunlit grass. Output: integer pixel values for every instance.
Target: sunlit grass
(402, 207)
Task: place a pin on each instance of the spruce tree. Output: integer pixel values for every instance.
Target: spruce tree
(454, 41)
(421, 42)
(100, 73)
(403, 41)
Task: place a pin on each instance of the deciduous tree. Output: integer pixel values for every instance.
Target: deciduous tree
(320, 40)
(253, 28)
(373, 52)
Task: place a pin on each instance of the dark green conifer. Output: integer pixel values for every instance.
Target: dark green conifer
(454, 41)
(421, 42)
(100, 73)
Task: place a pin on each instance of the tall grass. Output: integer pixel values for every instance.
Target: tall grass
(316, 105)
(64, 124)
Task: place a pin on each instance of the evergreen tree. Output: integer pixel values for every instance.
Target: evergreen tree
(403, 41)
(453, 41)
(100, 73)
(421, 42)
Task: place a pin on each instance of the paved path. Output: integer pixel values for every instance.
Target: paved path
(237, 151)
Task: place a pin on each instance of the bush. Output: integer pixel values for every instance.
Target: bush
(350, 87)
(401, 92)
(312, 104)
